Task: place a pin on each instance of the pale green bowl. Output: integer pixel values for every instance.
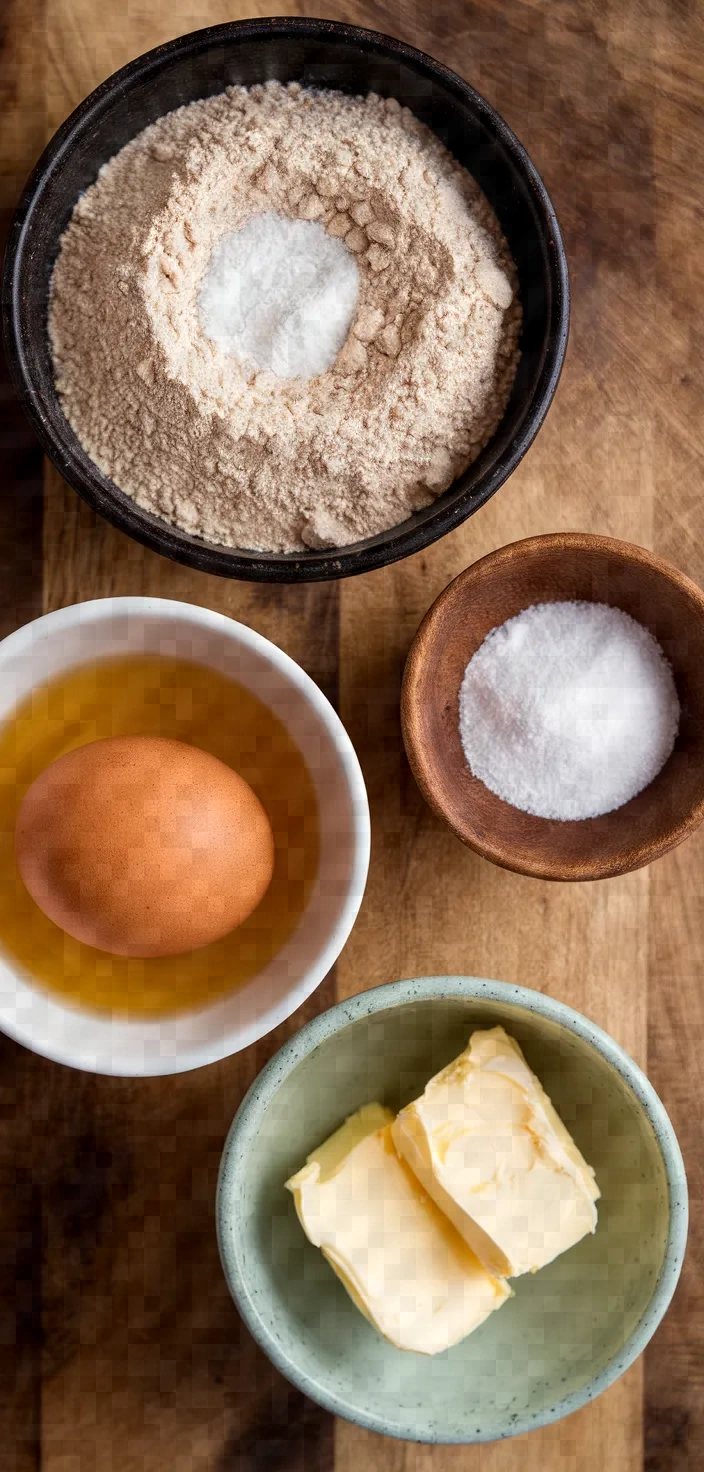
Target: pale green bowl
(570, 1330)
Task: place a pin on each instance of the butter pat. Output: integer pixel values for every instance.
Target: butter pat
(404, 1266)
(487, 1145)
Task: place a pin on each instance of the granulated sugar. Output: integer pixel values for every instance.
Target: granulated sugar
(280, 294)
(241, 455)
(568, 710)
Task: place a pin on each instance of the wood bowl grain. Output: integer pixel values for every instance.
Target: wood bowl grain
(564, 565)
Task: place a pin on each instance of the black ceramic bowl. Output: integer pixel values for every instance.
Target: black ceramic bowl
(318, 54)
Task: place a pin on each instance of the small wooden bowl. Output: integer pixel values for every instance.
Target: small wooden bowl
(570, 565)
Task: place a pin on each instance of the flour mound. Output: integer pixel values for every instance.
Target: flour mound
(267, 458)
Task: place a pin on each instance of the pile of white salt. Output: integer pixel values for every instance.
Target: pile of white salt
(280, 294)
(568, 710)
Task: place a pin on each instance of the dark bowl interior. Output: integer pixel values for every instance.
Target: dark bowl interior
(318, 54)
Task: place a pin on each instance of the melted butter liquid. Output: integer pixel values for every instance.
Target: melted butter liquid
(147, 695)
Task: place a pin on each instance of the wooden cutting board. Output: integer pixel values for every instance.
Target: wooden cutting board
(121, 1349)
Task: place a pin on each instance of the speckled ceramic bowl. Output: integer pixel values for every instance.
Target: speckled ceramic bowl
(570, 1330)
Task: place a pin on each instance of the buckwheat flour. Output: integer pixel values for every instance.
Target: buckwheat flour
(243, 457)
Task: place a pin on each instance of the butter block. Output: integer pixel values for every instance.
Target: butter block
(404, 1266)
(487, 1145)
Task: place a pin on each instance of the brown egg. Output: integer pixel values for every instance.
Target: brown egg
(144, 846)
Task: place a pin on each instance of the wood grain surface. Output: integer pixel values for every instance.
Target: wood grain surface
(119, 1348)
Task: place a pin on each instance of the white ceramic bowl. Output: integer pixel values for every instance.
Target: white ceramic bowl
(111, 627)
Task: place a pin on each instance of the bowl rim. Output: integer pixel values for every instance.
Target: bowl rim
(542, 868)
(117, 1058)
(392, 995)
(118, 508)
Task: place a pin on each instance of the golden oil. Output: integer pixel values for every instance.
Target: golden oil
(150, 695)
